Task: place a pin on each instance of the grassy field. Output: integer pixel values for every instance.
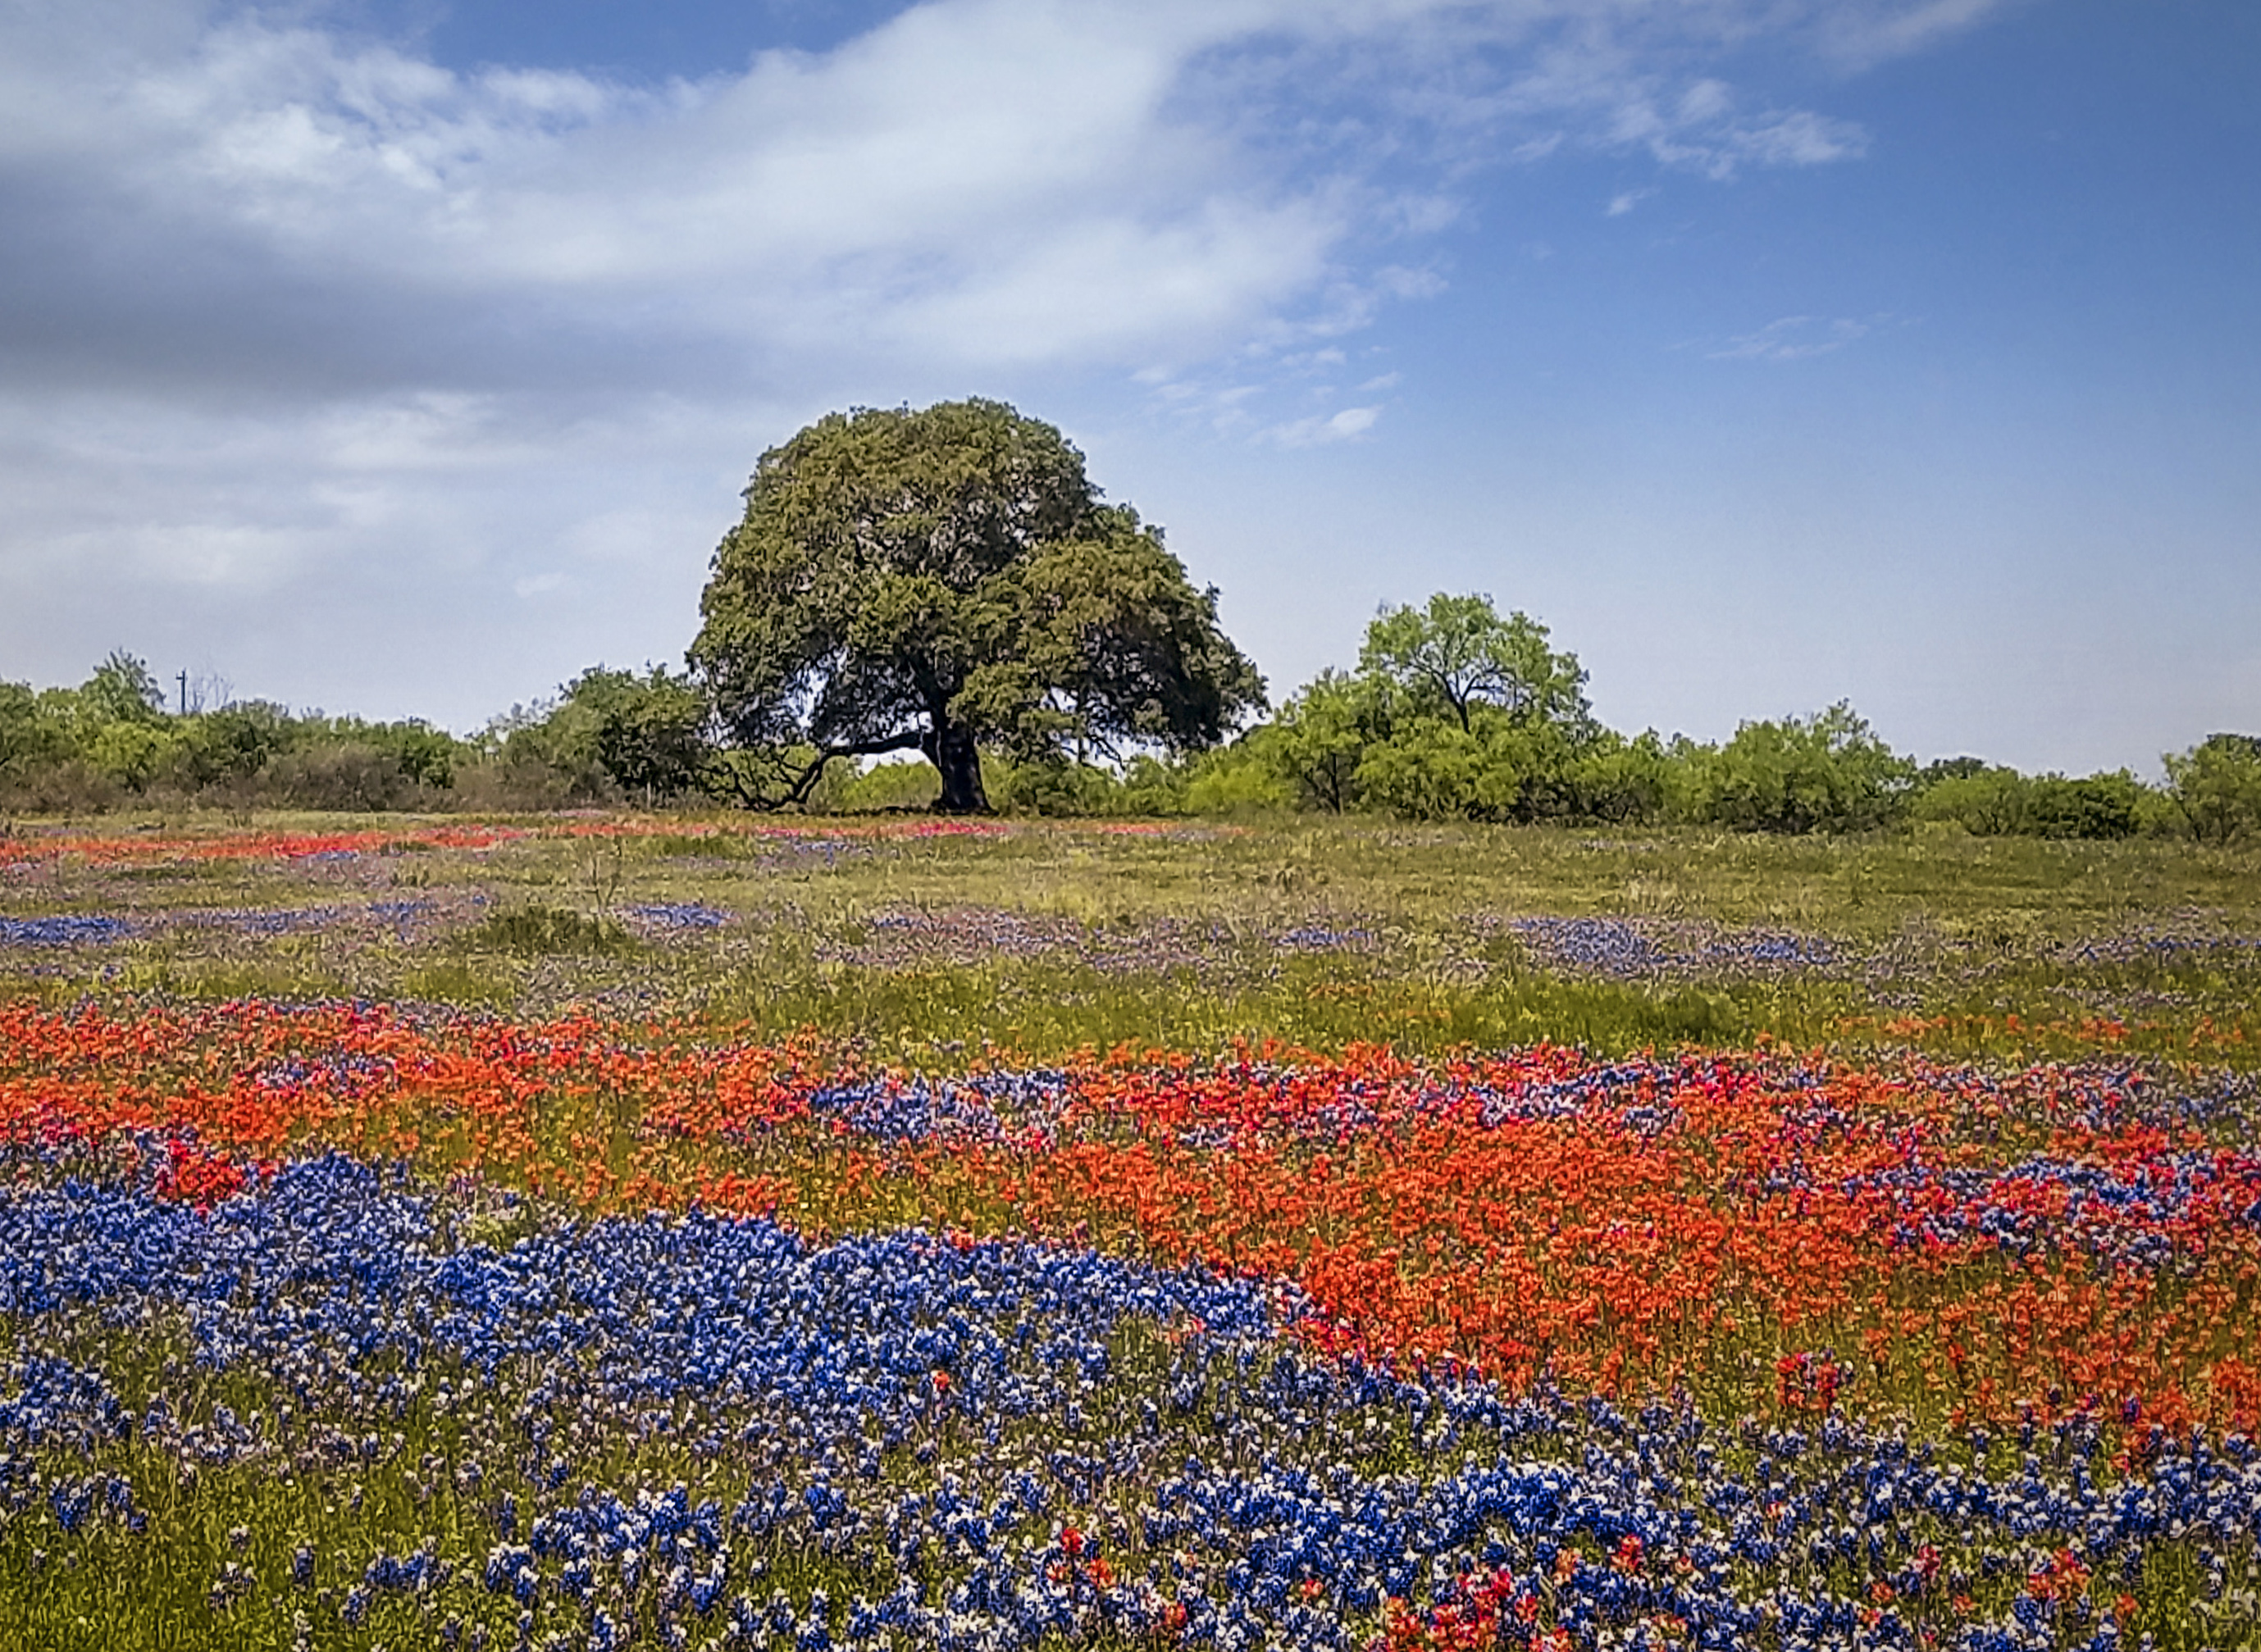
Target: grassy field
(593, 1232)
(1043, 939)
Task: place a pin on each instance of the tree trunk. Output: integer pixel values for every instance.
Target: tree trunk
(949, 748)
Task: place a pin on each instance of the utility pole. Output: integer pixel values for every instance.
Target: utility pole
(185, 694)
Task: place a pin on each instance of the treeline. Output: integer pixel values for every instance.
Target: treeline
(1455, 712)
(1452, 713)
(607, 738)
(110, 742)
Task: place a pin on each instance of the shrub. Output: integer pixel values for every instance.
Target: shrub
(1993, 802)
(2216, 785)
(883, 786)
(1625, 781)
(546, 931)
(1825, 773)
(1245, 777)
(1322, 737)
(1998, 802)
(2098, 806)
(346, 777)
(1436, 769)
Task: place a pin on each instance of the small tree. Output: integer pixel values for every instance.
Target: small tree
(2099, 806)
(1829, 772)
(1434, 769)
(123, 690)
(2216, 785)
(1622, 781)
(1986, 802)
(1453, 713)
(1324, 734)
(930, 581)
(649, 733)
(231, 745)
(31, 736)
(1457, 654)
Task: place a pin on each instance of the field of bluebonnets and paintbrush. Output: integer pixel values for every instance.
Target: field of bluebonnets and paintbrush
(602, 1231)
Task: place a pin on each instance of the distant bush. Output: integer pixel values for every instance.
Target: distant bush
(1454, 712)
(1242, 778)
(1998, 802)
(1319, 741)
(1825, 773)
(110, 739)
(1069, 789)
(344, 775)
(2106, 806)
(1990, 803)
(886, 786)
(1434, 769)
(546, 931)
(1621, 781)
(2216, 787)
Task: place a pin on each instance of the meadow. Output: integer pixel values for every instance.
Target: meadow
(602, 1230)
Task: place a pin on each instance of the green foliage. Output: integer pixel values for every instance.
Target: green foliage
(1624, 782)
(544, 756)
(412, 750)
(536, 931)
(233, 744)
(111, 737)
(649, 733)
(1435, 768)
(132, 753)
(1321, 738)
(1242, 778)
(122, 690)
(1457, 654)
(1987, 802)
(928, 581)
(1998, 802)
(2216, 785)
(1455, 713)
(1825, 773)
(1059, 788)
(1949, 768)
(892, 785)
(31, 735)
(2101, 805)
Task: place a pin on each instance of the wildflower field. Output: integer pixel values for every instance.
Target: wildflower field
(596, 1231)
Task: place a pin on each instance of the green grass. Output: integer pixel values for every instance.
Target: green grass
(540, 931)
(1964, 946)
(1964, 933)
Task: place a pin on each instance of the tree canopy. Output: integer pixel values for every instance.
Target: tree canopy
(940, 579)
(2216, 784)
(1455, 711)
(1457, 654)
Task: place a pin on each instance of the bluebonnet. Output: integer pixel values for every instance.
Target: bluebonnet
(63, 930)
(1632, 948)
(1240, 1489)
(679, 915)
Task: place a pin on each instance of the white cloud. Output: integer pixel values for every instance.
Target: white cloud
(305, 322)
(1800, 139)
(1318, 431)
(1704, 132)
(1008, 180)
(1861, 34)
(1791, 339)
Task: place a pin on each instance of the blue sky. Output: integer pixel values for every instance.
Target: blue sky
(405, 358)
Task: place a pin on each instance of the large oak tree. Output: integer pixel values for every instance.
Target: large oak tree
(941, 579)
